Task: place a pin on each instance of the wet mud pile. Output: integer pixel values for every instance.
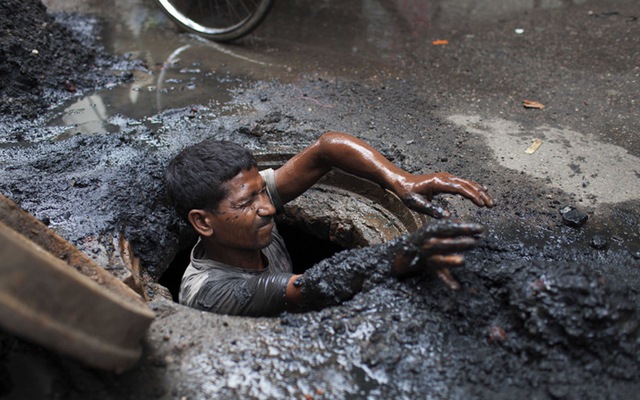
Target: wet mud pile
(43, 61)
(542, 311)
(543, 328)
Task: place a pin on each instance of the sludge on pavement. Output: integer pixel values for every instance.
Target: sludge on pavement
(540, 313)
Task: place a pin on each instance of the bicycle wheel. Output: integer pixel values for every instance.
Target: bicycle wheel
(219, 20)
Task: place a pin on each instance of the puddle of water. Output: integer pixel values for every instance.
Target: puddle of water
(572, 161)
(181, 80)
(183, 70)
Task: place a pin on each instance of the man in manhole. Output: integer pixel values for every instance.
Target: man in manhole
(240, 265)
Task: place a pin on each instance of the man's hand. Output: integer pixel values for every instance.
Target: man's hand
(436, 247)
(417, 192)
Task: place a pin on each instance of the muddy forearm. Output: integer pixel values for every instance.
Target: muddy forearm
(339, 150)
(432, 248)
(343, 275)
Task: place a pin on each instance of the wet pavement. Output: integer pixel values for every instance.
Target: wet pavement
(547, 310)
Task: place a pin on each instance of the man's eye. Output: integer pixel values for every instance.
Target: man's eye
(246, 204)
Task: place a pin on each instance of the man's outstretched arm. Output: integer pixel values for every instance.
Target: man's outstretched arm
(433, 248)
(340, 150)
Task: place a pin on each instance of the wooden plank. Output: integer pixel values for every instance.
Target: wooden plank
(53, 294)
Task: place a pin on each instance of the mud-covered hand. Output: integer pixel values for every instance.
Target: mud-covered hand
(417, 191)
(436, 247)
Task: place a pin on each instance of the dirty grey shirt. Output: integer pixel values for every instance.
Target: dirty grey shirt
(217, 287)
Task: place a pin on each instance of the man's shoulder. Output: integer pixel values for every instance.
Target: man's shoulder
(205, 275)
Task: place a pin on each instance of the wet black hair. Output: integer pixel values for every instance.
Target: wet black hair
(194, 178)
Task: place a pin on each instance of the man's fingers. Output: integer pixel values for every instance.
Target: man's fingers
(474, 192)
(438, 261)
(450, 281)
(488, 200)
(448, 245)
(446, 229)
(447, 183)
(420, 204)
(457, 228)
(436, 245)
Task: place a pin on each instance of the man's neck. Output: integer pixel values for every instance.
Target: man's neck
(247, 259)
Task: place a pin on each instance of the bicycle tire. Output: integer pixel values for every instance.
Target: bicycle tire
(218, 20)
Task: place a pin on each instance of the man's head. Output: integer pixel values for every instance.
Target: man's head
(217, 188)
(195, 177)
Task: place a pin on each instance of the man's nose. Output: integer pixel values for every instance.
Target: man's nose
(265, 207)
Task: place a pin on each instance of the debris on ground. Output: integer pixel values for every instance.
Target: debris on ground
(534, 146)
(573, 217)
(533, 104)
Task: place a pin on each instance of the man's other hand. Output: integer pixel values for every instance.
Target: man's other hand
(436, 247)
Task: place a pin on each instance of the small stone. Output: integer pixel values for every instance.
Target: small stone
(599, 242)
(35, 52)
(573, 217)
(565, 209)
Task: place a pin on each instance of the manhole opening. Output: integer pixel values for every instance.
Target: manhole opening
(172, 277)
(305, 250)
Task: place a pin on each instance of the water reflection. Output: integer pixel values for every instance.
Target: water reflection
(186, 77)
(87, 115)
(332, 26)
(183, 70)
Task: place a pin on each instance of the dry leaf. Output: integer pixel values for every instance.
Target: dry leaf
(534, 146)
(439, 42)
(532, 104)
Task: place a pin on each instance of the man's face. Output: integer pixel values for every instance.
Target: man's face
(244, 219)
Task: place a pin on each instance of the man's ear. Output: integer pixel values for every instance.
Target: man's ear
(201, 222)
